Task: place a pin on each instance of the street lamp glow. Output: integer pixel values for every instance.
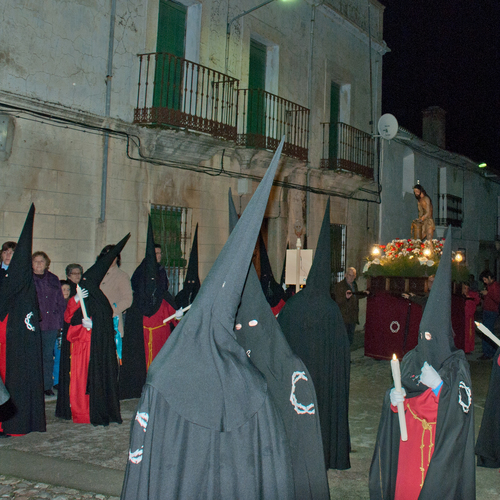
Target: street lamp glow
(482, 165)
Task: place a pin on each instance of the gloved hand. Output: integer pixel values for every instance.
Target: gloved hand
(87, 323)
(284, 287)
(429, 376)
(397, 397)
(179, 314)
(85, 294)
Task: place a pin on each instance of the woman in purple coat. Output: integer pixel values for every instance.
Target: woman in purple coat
(52, 306)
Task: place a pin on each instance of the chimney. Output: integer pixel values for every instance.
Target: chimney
(434, 126)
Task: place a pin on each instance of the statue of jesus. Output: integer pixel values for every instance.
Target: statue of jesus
(424, 226)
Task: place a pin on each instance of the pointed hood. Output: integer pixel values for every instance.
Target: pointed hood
(435, 341)
(93, 276)
(272, 290)
(20, 268)
(202, 372)
(318, 279)
(147, 294)
(192, 282)
(233, 215)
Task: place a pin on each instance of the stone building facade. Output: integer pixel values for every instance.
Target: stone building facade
(111, 109)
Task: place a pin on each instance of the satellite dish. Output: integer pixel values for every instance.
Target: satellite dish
(387, 126)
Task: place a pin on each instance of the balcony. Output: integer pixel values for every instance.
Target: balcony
(347, 148)
(449, 211)
(264, 118)
(175, 92)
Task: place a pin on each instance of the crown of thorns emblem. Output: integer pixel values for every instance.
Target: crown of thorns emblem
(394, 326)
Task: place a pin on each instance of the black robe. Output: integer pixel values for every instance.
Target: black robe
(192, 282)
(102, 381)
(206, 425)
(25, 411)
(63, 409)
(451, 472)
(313, 326)
(488, 441)
(150, 287)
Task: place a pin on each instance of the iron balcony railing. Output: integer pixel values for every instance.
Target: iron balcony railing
(264, 118)
(176, 92)
(347, 148)
(449, 210)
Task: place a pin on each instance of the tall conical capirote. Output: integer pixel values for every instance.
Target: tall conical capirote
(202, 371)
(20, 268)
(318, 279)
(233, 215)
(192, 283)
(435, 333)
(259, 333)
(96, 272)
(272, 290)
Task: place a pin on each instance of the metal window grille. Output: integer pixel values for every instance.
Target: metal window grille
(450, 211)
(172, 230)
(338, 249)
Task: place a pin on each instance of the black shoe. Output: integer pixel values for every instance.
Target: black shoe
(484, 357)
(3, 435)
(49, 392)
(56, 387)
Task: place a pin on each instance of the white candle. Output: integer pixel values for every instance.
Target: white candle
(170, 318)
(488, 333)
(82, 303)
(396, 375)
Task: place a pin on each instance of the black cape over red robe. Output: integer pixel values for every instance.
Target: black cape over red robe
(102, 381)
(451, 473)
(206, 425)
(25, 411)
(488, 441)
(313, 326)
(149, 292)
(289, 383)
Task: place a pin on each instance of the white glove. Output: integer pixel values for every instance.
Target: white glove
(397, 397)
(284, 287)
(429, 376)
(85, 294)
(179, 314)
(87, 323)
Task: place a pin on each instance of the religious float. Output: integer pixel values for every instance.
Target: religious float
(398, 280)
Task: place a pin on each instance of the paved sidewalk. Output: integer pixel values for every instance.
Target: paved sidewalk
(71, 460)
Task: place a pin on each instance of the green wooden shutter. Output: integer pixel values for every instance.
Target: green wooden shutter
(334, 118)
(256, 119)
(170, 41)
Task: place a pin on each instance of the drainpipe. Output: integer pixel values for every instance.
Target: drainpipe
(107, 112)
(309, 104)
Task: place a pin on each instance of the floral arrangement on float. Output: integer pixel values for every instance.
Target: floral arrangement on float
(411, 259)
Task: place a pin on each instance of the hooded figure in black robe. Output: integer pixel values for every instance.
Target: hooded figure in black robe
(25, 411)
(451, 472)
(289, 383)
(102, 381)
(313, 325)
(206, 425)
(63, 409)
(273, 291)
(149, 291)
(488, 441)
(192, 282)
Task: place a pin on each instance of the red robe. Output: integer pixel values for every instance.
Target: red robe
(156, 332)
(79, 337)
(416, 453)
(471, 303)
(278, 307)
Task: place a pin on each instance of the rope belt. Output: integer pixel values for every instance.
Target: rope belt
(149, 359)
(426, 426)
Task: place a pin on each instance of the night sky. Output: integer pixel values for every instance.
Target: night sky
(446, 53)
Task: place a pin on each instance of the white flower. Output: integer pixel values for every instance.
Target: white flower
(376, 261)
(367, 266)
(430, 263)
